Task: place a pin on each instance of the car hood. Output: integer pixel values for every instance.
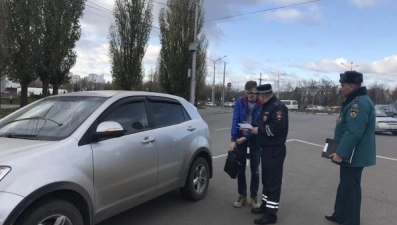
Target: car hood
(11, 146)
(385, 119)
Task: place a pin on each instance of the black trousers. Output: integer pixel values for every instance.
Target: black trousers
(348, 198)
(272, 174)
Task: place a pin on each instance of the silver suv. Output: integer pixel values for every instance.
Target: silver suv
(83, 157)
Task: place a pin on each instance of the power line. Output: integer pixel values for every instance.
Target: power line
(110, 12)
(99, 9)
(99, 15)
(100, 6)
(160, 3)
(264, 10)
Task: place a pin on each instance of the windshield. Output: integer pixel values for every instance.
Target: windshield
(50, 119)
(380, 113)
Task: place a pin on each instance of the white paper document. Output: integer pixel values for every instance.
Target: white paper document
(245, 125)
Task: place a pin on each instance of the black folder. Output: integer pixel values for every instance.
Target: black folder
(330, 147)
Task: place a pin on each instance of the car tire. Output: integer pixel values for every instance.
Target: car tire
(394, 133)
(49, 211)
(197, 180)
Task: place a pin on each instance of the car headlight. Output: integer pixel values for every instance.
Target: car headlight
(382, 124)
(4, 170)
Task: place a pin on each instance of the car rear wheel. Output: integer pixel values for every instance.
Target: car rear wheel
(394, 133)
(197, 180)
(51, 212)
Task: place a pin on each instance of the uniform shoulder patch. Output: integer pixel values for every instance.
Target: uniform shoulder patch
(279, 115)
(353, 112)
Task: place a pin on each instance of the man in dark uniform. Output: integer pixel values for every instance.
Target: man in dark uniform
(272, 131)
(355, 131)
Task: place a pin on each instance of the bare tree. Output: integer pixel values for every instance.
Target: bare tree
(394, 95)
(377, 92)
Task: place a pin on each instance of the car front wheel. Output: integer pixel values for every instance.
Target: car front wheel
(197, 180)
(51, 212)
(394, 132)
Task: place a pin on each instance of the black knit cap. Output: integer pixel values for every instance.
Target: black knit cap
(351, 77)
(264, 89)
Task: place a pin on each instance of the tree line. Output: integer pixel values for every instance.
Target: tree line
(38, 39)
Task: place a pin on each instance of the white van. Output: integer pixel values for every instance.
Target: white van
(291, 104)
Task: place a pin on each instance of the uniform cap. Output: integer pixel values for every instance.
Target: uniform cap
(264, 89)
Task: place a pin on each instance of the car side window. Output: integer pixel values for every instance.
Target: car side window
(131, 116)
(168, 113)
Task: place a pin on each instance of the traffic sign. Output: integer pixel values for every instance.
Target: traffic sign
(229, 85)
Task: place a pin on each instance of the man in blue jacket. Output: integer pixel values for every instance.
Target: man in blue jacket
(246, 110)
(355, 132)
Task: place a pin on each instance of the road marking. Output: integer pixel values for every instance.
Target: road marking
(314, 144)
(309, 143)
(382, 157)
(222, 129)
(305, 142)
(219, 156)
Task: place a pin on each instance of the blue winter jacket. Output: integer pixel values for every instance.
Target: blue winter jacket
(239, 115)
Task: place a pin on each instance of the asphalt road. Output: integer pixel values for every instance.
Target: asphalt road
(309, 183)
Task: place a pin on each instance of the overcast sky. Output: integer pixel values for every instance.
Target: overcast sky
(308, 41)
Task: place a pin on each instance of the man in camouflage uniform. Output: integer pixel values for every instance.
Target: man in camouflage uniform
(355, 132)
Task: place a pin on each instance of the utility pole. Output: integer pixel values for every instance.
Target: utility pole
(260, 79)
(213, 86)
(193, 47)
(278, 83)
(223, 85)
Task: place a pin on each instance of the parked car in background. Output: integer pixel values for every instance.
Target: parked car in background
(80, 158)
(334, 109)
(389, 110)
(316, 107)
(291, 104)
(229, 104)
(385, 123)
(210, 104)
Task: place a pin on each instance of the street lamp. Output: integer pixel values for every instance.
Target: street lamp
(351, 66)
(278, 83)
(312, 91)
(213, 81)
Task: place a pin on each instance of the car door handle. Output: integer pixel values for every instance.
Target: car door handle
(147, 140)
(191, 128)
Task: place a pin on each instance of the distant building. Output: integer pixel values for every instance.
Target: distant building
(95, 78)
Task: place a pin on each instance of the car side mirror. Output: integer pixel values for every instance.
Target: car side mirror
(106, 130)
